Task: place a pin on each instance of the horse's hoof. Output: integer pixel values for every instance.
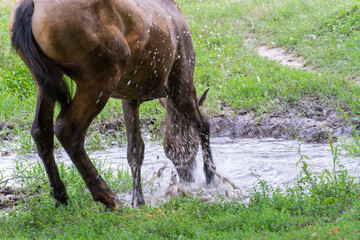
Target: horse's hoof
(119, 207)
(116, 206)
(62, 203)
(138, 202)
(61, 198)
(209, 178)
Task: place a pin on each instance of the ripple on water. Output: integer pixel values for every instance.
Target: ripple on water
(237, 159)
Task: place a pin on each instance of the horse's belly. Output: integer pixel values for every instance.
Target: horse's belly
(147, 71)
(142, 83)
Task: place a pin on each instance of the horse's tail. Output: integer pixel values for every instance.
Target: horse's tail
(47, 72)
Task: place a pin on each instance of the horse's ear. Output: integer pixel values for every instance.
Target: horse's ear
(202, 97)
(162, 101)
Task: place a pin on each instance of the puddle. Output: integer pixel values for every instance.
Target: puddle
(236, 159)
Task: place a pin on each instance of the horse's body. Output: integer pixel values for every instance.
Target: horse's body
(135, 50)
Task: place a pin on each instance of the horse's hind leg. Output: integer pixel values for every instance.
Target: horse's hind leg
(135, 148)
(71, 127)
(42, 132)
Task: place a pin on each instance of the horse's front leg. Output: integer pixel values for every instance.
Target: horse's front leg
(42, 132)
(135, 148)
(71, 127)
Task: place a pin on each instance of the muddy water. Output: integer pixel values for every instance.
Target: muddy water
(236, 159)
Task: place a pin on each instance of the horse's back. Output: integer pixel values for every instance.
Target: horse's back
(99, 35)
(61, 27)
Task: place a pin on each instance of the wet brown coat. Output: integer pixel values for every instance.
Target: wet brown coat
(135, 50)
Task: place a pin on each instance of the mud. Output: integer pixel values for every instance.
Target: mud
(283, 126)
(309, 121)
(10, 197)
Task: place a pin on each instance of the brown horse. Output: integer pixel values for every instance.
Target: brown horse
(134, 50)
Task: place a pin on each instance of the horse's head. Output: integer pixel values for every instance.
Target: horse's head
(181, 139)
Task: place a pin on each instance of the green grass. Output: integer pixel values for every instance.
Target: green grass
(325, 32)
(241, 79)
(17, 91)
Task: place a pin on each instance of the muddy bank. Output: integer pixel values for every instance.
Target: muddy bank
(307, 122)
(10, 197)
(278, 126)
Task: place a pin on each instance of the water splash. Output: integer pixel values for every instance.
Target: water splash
(235, 159)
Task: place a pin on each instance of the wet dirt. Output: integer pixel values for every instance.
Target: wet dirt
(310, 121)
(10, 197)
(317, 128)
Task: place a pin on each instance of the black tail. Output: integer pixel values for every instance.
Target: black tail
(48, 73)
